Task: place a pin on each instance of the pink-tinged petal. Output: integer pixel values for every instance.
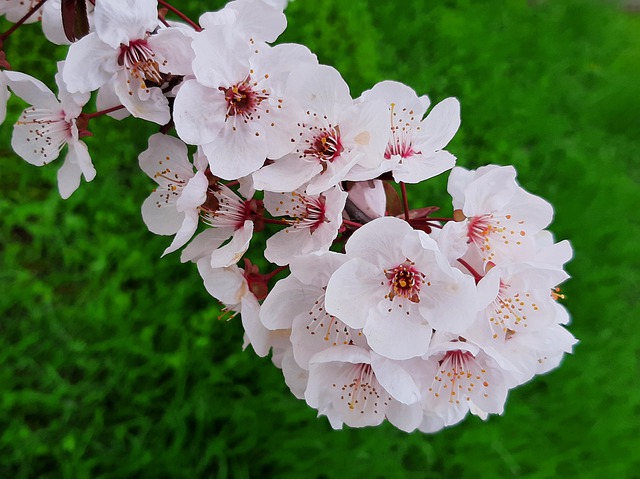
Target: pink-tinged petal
(395, 379)
(365, 127)
(287, 243)
(107, 99)
(120, 21)
(52, 23)
(319, 88)
(164, 153)
(354, 284)
(439, 127)
(237, 152)
(68, 178)
(186, 231)
(79, 154)
(175, 46)
(397, 336)
(227, 285)
(4, 96)
(71, 103)
(280, 61)
(379, 241)
(417, 168)
(222, 66)
(194, 193)
(204, 243)
(556, 254)
(536, 211)
(161, 217)
(369, 197)
(90, 64)
(277, 127)
(286, 174)
(402, 96)
(258, 20)
(287, 299)
(295, 377)
(31, 90)
(316, 268)
(488, 288)
(452, 240)
(459, 179)
(405, 417)
(199, 113)
(259, 337)
(39, 141)
(490, 191)
(149, 104)
(231, 252)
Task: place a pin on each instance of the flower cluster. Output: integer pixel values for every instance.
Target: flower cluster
(386, 313)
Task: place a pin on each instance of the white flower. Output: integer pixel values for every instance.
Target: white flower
(414, 150)
(228, 216)
(357, 387)
(334, 136)
(47, 126)
(234, 107)
(315, 220)
(397, 287)
(498, 218)
(174, 206)
(123, 53)
(460, 377)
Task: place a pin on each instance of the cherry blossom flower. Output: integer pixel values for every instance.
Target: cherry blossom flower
(357, 387)
(314, 220)
(234, 108)
(398, 287)
(414, 151)
(174, 206)
(462, 378)
(334, 136)
(124, 53)
(230, 230)
(498, 219)
(48, 125)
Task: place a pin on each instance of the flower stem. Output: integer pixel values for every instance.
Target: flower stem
(475, 274)
(405, 201)
(173, 9)
(89, 116)
(351, 223)
(276, 222)
(17, 25)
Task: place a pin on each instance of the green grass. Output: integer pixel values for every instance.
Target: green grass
(113, 363)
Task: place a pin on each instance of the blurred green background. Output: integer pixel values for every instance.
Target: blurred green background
(113, 363)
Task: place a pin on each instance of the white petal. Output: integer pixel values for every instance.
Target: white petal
(160, 216)
(237, 152)
(186, 231)
(397, 336)
(90, 64)
(417, 168)
(175, 46)
(199, 113)
(231, 252)
(286, 174)
(165, 155)
(120, 21)
(147, 103)
(31, 90)
(395, 379)
(352, 290)
(204, 243)
(287, 299)
(439, 127)
(68, 178)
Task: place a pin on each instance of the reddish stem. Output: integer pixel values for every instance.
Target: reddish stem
(89, 116)
(17, 25)
(405, 201)
(351, 223)
(475, 274)
(173, 9)
(275, 271)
